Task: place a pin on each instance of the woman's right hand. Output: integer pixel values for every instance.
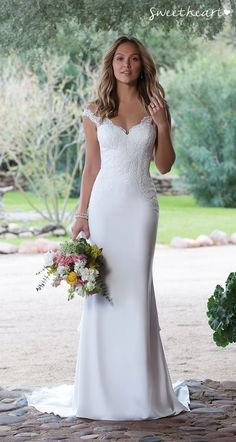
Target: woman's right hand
(80, 224)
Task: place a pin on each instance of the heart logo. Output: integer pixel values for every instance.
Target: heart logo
(227, 11)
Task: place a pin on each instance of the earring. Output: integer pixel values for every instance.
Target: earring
(141, 76)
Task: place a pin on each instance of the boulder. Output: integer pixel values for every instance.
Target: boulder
(26, 234)
(13, 228)
(44, 245)
(178, 242)
(219, 237)
(204, 240)
(28, 247)
(9, 235)
(40, 245)
(59, 232)
(191, 242)
(6, 248)
(233, 238)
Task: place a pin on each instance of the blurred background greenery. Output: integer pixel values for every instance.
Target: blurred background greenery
(49, 67)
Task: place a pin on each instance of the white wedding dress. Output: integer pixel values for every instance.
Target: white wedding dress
(121, 371)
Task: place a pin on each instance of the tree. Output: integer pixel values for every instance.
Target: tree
(34, 23)
(203, 99)
(40, 126)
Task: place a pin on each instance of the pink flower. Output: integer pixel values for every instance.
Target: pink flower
(66, 260)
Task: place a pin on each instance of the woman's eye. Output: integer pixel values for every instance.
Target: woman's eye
(134, 58)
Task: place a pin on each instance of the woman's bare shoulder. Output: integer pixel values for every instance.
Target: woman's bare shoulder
(91, 106)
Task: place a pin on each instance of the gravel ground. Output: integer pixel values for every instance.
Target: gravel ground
(38, 330)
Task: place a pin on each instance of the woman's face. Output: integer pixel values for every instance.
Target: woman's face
(127, 63)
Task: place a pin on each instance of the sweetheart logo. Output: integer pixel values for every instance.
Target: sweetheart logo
(227, 11)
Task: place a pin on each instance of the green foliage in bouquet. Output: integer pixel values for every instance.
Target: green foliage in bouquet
(222, 312)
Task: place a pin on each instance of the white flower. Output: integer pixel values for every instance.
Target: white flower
(79, 265)
(88, 274)
(48, 258)
(89, 286)
(63, 270)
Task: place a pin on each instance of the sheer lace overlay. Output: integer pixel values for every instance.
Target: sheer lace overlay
(126, 156)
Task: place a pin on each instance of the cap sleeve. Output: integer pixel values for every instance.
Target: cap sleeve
(88, 113)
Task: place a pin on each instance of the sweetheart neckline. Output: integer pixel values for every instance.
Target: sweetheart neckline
(146, 117)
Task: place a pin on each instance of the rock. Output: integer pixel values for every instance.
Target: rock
(5, 419)
(89, 436)
(194, 382)
(178, 242)
(13, 228)
(229, 385)
(208, 410)
(196, 404)
(109, 428)
(204, 240)
(233, 238)
(28, 247)
(8, 395)
(50, 228)
(191, 242)
(219, 237)
(9, 407)
(40, 245)
(26, 234)
(34, 230)
(10, 235)
(150, 438)
(50, 418)
(19, 435)
(226, 430)
(42, 235)
(59, 232)
(6, 248)
(191, 428)
(19, 412)
(44, 245)
(4, 428)
(2, 230)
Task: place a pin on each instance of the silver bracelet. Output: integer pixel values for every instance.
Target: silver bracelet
(81, 215)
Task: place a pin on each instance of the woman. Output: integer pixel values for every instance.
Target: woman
(121, 371)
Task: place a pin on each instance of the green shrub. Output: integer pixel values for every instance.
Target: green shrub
(222, 312)
(202, 98)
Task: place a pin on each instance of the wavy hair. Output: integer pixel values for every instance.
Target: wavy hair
(108, 101)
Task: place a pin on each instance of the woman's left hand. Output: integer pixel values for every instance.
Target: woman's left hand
(157, 110)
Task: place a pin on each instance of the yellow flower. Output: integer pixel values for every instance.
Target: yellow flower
(92, 266)
(52, 270)
(95, 251)
(71, 278)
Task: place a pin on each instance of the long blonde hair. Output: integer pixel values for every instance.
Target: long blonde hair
(108, 101)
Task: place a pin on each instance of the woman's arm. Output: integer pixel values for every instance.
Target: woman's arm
(92, 163)
(164, 154)
(91, 168)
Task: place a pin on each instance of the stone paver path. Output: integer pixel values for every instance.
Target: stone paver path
(212, 418)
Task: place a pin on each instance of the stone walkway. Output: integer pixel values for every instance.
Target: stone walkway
(212, 418)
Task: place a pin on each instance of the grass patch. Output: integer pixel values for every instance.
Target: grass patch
(14, 201)
(182, 216)
(179, 215)
(154, 171)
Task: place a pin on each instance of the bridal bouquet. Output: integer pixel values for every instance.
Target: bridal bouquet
(78, 263)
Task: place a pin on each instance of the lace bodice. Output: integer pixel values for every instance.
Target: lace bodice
(126, 157)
